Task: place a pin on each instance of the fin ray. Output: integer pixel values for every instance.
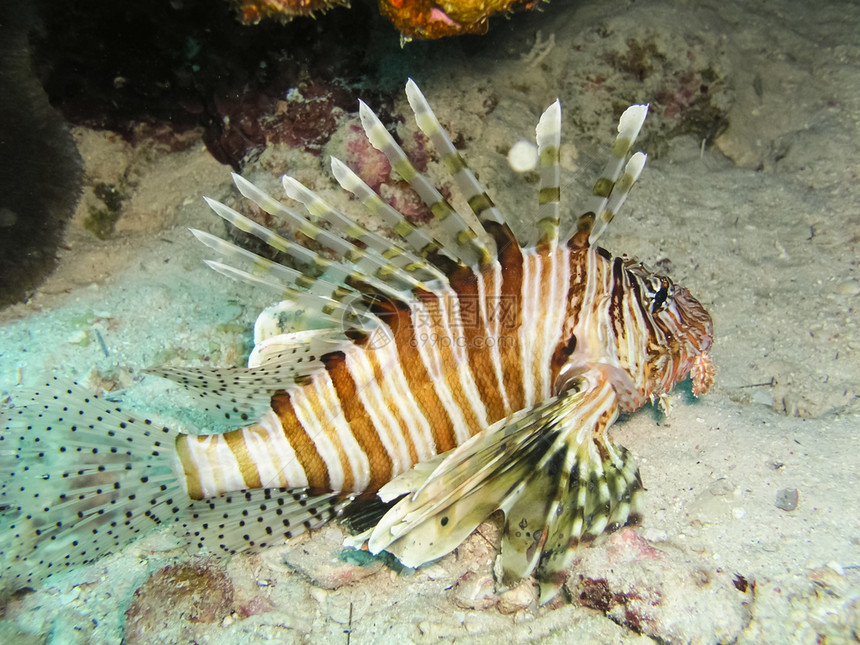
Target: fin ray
(595, 215)
(419, 240)
(548, 136)
(468, 248)
(488, 214)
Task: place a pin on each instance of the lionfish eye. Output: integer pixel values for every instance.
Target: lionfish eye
(660, 296)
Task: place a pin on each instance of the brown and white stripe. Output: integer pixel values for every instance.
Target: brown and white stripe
(449, 357)
(460, 360)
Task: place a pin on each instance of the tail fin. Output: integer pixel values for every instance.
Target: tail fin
(80, 478)
(552, 470)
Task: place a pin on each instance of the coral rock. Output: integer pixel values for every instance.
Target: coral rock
(660, 593)
(176, 598)
(520, 598)
(418, 19)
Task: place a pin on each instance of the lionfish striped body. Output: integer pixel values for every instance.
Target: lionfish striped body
(451, 377)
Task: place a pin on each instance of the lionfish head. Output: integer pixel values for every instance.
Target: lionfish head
(684, 334)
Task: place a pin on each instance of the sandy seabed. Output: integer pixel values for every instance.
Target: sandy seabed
(751, 531)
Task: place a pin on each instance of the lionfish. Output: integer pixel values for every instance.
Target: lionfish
(437, 380)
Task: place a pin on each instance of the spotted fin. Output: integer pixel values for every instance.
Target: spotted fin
(552, 470)
(81, 477)
(231, 397)
(249, 520)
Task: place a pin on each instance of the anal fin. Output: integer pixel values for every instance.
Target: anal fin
(254, 519)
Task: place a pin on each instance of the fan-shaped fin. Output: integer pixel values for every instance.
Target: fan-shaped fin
(610, 491)
(233, 397)
(80, 477)
(254, 519)
(552, 470)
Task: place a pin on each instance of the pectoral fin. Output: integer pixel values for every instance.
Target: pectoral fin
(551, 469)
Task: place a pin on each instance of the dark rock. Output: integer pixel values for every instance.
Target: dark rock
(40, 169)
(175, 599)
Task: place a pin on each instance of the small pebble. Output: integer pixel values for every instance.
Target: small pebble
(318, 594)
(848, 288)
(434, 572)
(721, 487)
(519, 598)
(652, 534)
(786, 499)
(474, 591)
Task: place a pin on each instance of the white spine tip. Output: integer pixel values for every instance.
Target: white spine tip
(292, 187)
(337, 165)
(636, 164)
(632, 115)
(368, 118)
(631, 120)
(244, 186)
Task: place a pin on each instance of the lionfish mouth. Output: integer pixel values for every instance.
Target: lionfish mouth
(699, 328)
(699, 324)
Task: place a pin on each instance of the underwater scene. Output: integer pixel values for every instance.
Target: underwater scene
(418, 321)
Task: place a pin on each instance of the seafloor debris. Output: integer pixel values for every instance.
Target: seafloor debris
(325, 564)
(175, 599)
(786, 499)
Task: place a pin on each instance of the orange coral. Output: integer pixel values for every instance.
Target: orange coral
(253, 11)
(419, 19)
(426, 19)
